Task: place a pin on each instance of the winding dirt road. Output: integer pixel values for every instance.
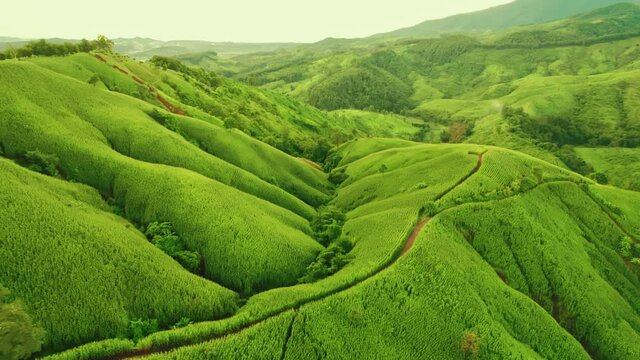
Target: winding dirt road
(406, 246)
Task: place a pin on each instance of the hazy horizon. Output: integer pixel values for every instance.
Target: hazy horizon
(240, 21)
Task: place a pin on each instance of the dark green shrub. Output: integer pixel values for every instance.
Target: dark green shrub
(41, 162)
(327, 225)
(337, 177)
(163, 236)
(19, 337)
(138, 329)
(328, 261)
(600, 178)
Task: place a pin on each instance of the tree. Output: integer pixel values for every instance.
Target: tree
(383, 169)
(104, 43)
(12, 53)
(94, 79)
(599, 177)
(19, 337)
(85, 45)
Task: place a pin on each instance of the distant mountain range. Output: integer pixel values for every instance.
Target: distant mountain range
(519, 12)
(144, 48)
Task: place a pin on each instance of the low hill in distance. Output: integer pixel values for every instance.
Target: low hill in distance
(518, 12)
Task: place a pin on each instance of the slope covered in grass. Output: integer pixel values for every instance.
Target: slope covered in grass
(575, 80)
(518, 268)
(84, 273)
(621, 166)
(108, 142)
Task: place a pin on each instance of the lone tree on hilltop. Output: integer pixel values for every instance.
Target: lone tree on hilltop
(104, 43)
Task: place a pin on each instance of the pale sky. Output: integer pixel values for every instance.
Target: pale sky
(229, 20)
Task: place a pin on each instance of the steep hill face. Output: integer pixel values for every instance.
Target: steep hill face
(519, 12)
(487, 251)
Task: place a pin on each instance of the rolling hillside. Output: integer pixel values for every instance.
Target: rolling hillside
(518, 12)
(445, 198)
(447, 250)
(573, 78)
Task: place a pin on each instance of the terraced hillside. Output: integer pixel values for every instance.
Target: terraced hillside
(153, 210)
(476, 243)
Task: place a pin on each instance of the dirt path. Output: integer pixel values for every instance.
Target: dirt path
(414, 235)
(408, 244)
(311, 163)
(152, 90)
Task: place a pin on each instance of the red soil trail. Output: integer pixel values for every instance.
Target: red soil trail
(313, 164)
(120, 69)
(169, 106)
(422, 222)
(414, 235)
(174, 109)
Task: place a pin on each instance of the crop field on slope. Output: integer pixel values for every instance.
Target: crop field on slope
(620, 165)
(577, 78)
(459, 251)
(84, 273)
(484, 267)
(109, 143)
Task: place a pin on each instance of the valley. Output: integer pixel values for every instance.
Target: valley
(435, 192)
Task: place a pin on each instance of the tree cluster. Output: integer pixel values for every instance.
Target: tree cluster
(163, 236)
(45, 48)
(19, 336)
(327, 228)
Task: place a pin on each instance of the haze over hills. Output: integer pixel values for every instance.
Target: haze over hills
(457, 197)
(519, 12)
(467, 81)
(145, 48)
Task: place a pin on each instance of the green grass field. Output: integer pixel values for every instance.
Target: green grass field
(526, 268)
(444, 200)
(621, 166)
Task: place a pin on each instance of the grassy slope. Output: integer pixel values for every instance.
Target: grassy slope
(283, 171)
(106, 141)
(84, 273)
(621, 166)
(592, 83)
(530, 266)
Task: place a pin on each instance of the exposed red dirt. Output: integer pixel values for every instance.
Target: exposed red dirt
(139, 353)
(414, 235)
(169, 106)
(313, 164)
(138, 80)
(100, 58)
(120, 69)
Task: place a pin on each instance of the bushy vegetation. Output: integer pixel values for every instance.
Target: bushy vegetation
(139, 328)
(329, 261)
(327, 225)
(362, 87)
(43, 163)
(44, 48)
(163, 236)
(19, 336)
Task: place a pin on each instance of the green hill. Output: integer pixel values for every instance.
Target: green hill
(573, 78)
(515, 255)
(452, 198)
(518, 12)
